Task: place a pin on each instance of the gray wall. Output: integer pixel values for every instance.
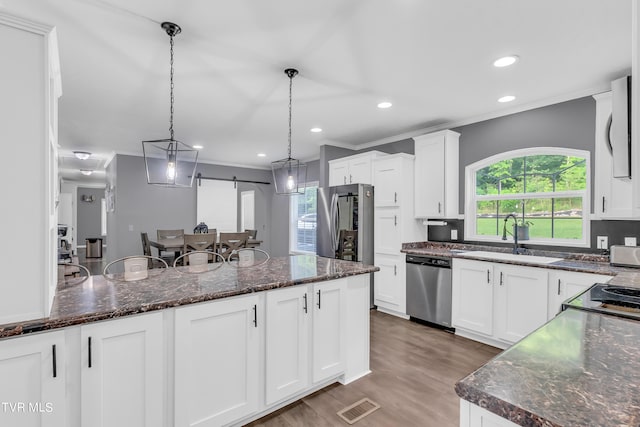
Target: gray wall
(140, 207)
(89, 214)
(569, 124)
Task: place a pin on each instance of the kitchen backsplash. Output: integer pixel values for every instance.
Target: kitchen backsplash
(616, 231)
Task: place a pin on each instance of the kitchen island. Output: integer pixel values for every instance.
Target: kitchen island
(579, 369)
(180, 348)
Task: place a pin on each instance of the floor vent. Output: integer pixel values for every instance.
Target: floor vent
(358, 410)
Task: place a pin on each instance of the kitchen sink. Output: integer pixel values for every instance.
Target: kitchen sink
(528, 259)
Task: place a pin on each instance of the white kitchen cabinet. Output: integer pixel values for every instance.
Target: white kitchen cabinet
(329, 320)
(390, 290)
(31, 81)
(496, 303)
(288, 322)
(474, 416)
(613, 196)
(356, 169)
(217, 361)
(33, 372)
(394, 224)
(472, 295)
(520, 304)
(566, 284)
(122, 373)
(436, 176)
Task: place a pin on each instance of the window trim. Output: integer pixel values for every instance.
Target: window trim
(471, 198)
(292, 221)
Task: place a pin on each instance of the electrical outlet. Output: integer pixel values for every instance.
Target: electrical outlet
(130, 227)
(602, 242)
(630, 241)
(454, 234)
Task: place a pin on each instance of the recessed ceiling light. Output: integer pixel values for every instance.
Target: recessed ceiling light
(262, 155)
(505, 61)
(198, 147)
(82, 155)
(384, 104)
(316, 130)
(507, 98)
(86, 172)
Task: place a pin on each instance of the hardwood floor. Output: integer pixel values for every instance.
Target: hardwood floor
(414, 369)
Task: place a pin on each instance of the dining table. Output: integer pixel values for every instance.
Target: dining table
(177, 244)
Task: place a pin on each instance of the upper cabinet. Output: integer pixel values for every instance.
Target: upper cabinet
(31, 80)
(356, 169)
(613, 196)
(436, 175)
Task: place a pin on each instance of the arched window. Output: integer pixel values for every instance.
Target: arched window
(546, 188)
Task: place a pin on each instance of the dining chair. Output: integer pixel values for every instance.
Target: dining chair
(230, 242)
(199, 242)
(146, 250)
(170, 234)
(252, 234)
(347, 245)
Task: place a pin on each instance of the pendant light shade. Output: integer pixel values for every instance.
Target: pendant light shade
(169, 162)
(289, 175)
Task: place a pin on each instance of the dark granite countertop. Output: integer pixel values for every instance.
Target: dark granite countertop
(571, 261)
(99, 297)
(579, 369)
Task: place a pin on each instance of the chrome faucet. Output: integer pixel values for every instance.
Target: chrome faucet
(515, 232)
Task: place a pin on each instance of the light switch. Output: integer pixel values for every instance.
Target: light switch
(630, 241)
(130, 227)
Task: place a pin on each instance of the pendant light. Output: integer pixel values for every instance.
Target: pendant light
(169, 162)
(289, 175)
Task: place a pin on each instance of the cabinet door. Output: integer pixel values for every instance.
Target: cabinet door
(521, 300)
(480, 417)
(328, 329)
(216, 361)
(122, 372)
(359, 171)
(33, 385)
(387, 282)
(430, 178)
(288, 314)
(338, 172)
(472, 296)
(387, 231)
(567, 284)
(387, 176)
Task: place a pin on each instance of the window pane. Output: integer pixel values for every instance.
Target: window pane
(487, 221)
(559, 218)
(532, 174)
(303, 220)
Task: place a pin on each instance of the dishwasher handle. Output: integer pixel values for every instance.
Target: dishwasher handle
(429, 261)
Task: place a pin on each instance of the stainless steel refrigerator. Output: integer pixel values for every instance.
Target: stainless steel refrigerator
(346, 207)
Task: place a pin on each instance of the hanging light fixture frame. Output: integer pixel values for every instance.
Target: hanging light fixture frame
(289, 175)
(169, 162)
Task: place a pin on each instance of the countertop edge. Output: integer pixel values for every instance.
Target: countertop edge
(20, 328)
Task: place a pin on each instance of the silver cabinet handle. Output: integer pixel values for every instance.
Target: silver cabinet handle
(501, 282)
(55, 363)
(395, 270)
(439, 207)
(395, 197)
(345, 179)
(558, 286)
(255, 315)
(305, 302)
(350, 179)
(395, 220)
(318, 299)
(488, 279)
(602, 204)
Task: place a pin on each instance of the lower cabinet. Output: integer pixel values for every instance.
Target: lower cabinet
(33, 372)
(566, 284)
(472, 296)
(474, 416)
(287, 342)
(390, 284)
(329, 313)
(122, 372)
(217, 361)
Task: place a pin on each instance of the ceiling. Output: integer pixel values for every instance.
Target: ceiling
(431, 59)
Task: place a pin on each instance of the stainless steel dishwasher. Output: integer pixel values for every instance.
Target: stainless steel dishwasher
(429, 289)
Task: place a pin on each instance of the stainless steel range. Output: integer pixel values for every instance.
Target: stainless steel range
(622, 301)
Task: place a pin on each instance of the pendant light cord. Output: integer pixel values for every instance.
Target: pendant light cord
(290, 90)
(171, 90)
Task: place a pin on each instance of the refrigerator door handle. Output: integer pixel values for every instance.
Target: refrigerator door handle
(333, 223)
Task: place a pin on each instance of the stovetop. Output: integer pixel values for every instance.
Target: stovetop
(619, 301)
